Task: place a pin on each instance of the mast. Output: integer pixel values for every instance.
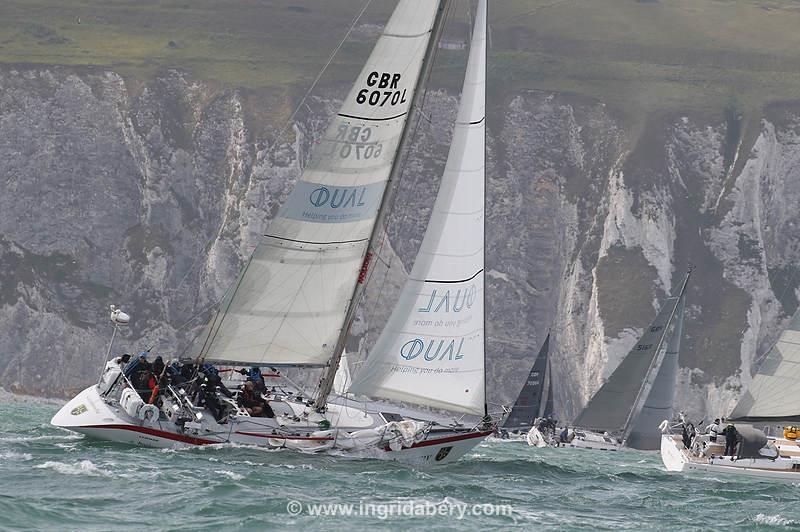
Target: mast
(326, 384)
(485, 212)
(648, 382)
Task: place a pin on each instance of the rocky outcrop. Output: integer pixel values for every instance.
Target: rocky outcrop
(152, 196)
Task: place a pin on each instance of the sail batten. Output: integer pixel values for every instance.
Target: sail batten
(431, 351)
(291, 302)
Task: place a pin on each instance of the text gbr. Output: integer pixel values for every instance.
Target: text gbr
(382, 88)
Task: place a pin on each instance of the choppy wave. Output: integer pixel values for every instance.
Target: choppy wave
(774, 520)
(11, 455)
(55, 479)
(83, 467)
(230, 474)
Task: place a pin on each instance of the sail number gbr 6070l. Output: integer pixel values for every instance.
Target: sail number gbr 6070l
(381, 89)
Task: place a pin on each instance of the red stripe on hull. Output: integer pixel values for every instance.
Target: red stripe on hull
(158, 433)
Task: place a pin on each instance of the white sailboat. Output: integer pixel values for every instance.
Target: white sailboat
(768, 401)
(294, 302)
(628, 407)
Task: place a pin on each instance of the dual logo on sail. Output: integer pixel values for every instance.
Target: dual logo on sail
(450, 301)
(322, 203)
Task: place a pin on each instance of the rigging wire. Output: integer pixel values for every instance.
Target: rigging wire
(335, 51)
(275, 144)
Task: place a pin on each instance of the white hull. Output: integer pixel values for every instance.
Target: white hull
(593, 440)
(582, 440)
(495, 439)
(677, 458)
(536, 439)
(89, 414)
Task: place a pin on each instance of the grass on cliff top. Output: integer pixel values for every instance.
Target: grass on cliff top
(646, 55)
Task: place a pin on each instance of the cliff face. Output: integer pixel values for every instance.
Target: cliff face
(153, 197)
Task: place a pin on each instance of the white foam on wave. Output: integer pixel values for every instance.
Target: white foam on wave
(773, 520)
(230, 474)
(20, 439)
(84, 467)
(292, 466)
(11, 455)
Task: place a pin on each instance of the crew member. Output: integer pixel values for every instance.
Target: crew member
(713, 430)
(253, 403)
(731, 437)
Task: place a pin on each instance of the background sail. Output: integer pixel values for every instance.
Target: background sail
(771, 396)
(342, 379)
(431, 350)
(611, 406)
(529, 402)
(290, 303)
(549, 408)
(645, 434)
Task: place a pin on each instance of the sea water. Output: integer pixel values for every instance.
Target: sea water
(57, 480)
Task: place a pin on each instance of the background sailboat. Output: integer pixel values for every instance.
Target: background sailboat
(768, 400)
(535, 400)
(627, 407)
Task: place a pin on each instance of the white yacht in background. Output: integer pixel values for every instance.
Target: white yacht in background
(769, 402)
(294, 302)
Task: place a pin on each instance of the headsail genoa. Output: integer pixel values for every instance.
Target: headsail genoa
(769, 397)
(431, 350)
(646, 434)
(290, 304)
(531, 402)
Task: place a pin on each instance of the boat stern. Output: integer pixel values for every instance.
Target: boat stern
(83, 411)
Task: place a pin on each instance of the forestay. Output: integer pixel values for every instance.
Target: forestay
(431, 351)
(291, 301)
(611, 407)
(771, 397)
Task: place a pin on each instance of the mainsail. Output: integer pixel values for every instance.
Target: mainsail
(770, 396)
(290, 303)
(532, 400)
(619, 400)
(431, 351)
